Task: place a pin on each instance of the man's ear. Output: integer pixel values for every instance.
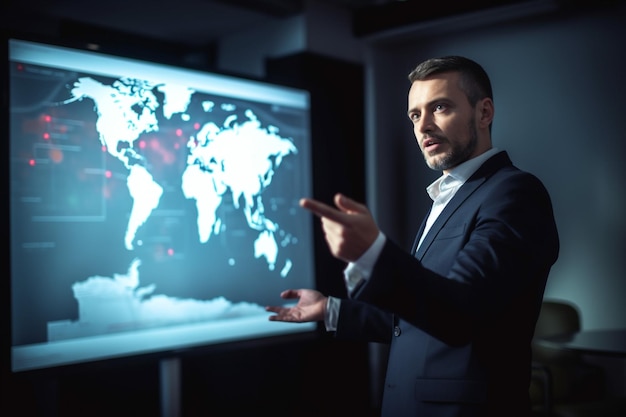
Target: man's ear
(485, 112)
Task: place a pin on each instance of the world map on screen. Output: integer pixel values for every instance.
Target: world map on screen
(235, 157)
(239, 157)
(153, 208)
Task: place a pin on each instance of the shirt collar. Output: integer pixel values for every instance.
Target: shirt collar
(465, 170)
(460, 173)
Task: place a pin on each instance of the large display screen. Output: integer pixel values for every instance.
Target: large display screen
(152, 208)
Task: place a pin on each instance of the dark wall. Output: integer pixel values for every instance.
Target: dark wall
(337, 131)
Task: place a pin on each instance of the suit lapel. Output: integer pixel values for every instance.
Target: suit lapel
(490, 166)
(419, 233)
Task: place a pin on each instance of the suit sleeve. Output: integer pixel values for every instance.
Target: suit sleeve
(364, 322)
(494, 252)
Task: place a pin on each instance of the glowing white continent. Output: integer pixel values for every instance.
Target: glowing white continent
(146, 194)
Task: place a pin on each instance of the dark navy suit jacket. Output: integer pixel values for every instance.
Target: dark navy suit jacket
(459, 314)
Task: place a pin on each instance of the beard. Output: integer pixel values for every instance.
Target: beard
(458, 152)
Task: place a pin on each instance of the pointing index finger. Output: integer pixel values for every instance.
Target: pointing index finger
(320, 209)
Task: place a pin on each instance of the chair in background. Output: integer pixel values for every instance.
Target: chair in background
(563, 384)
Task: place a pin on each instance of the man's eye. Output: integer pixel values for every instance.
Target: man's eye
(440, 107)
(414, 117)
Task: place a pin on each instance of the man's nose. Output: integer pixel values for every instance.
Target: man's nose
(425, 124)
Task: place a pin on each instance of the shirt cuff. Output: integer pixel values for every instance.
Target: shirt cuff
(361, 269)
(332, 313)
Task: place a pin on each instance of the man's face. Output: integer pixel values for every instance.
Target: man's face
(444, 122)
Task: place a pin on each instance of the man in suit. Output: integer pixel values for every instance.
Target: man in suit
(459, 310)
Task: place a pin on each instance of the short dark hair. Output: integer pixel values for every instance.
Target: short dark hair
(475, 82)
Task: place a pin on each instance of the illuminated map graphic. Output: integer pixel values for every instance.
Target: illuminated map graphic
(239, 157)
(151, 207)
(231, 154)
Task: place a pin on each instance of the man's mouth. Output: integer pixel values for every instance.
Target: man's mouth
(429, 142)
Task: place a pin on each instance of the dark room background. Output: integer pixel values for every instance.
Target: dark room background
(558, 78)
